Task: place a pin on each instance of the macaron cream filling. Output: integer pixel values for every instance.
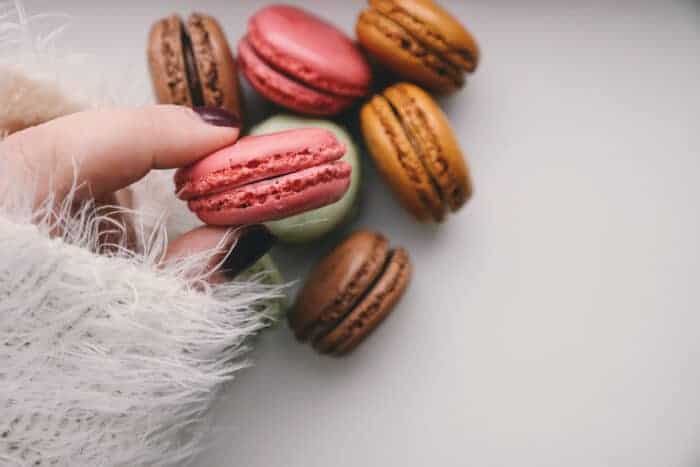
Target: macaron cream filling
(193, 82)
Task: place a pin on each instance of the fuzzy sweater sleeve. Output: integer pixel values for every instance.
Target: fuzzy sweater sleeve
(109, 360)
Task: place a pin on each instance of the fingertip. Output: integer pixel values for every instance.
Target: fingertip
(231, 251)
(218, 117)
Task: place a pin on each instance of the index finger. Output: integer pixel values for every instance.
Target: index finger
(113, 148)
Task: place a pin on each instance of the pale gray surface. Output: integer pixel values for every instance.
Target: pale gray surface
(553, 322)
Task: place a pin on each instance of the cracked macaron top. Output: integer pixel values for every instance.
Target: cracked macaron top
(420, 41)
(350, 292)
(302, 62)
(191, 64)
(416, 151)
(266, 177)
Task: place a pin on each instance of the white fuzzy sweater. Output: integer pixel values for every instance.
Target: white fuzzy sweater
(104, 361)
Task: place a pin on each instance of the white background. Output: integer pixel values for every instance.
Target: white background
(555, 321)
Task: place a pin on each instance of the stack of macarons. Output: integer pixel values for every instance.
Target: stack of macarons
(300, 175)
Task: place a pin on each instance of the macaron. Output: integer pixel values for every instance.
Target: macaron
(312, 225)
(192, 65)
(416, 152)
(302, 63)
(420, 41)
(266, 177)
(350, 292)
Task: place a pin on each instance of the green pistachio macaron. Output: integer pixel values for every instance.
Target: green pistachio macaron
(312, 225)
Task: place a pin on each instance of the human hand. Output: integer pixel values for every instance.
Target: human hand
(114, 148)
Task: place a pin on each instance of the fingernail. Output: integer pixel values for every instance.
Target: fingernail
(253, 242)
(218, 117)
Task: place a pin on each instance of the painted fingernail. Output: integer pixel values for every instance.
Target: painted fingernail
(253, 242)
(218, 117)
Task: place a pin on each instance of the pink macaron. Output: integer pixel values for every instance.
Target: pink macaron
(266, 177)
(301, 62)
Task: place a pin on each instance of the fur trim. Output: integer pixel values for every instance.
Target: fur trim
(109, 360)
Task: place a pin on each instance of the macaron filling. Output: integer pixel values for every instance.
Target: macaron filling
(193, 83)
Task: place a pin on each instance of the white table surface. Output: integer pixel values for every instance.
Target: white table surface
(556, 320)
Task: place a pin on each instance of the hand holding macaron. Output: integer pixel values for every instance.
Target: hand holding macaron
(110, 161)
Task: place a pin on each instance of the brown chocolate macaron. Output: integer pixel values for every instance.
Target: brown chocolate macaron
(192, 65)
(350, 292)
(420, 41)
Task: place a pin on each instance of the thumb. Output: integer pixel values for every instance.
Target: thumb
(235, 249)
(113, 148)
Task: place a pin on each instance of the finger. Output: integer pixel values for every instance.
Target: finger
(113, 148)
(236, 250)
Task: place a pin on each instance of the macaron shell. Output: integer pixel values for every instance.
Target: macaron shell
(215, 64)
(312, 225)
(438, 147)
(166, 61)
(434, 27)
(310, 50)
(275, 198)
(255, 158)
(397, 160)
(372, 310)
(337, 282)
(283, 91)
(396, 48)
